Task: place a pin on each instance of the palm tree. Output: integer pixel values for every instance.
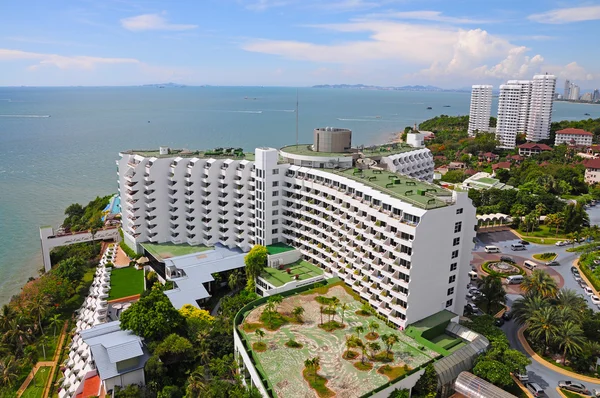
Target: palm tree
(234, 280)
(321, 310)
(277, 299)
(540, 282)
(8, 371)
(297, 312)
(203, 347)
(374, 347)
(544, 325)
(6, 314)
(524, 308)
(494, 294)
(555, 220)
(260, 334)
(359, 329)
(16, 335)
(351, 342)
(54, 321)
(44, 342)
(389, 341)
(270, 309)
(343, 308)
(197, 383)
(39, 308)
(570, 339)
(363, 349)
(373, 326)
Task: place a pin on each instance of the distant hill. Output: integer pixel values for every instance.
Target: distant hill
(164, 85)
(402, 88)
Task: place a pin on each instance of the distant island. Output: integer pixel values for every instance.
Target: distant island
(164, 85)
(392, 88)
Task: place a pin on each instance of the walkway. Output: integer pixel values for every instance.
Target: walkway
(53, 364)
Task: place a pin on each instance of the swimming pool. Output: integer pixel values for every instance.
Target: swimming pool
(113, 207)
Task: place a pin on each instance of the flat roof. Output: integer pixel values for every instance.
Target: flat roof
(162, 251)
(277, 248)
(370, 151)
(306, 150)
(154, 153)
(434, 320)
(279, 277)
(487, 180)
(379, 180)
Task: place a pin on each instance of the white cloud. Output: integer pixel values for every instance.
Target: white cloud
(61, 61)
(435, 16)
(262, 5)
(566, 15)
(152, 22)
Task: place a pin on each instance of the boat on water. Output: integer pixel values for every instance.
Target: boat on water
(429, 107)
(446, 106)
(586, 114)
(377, 117)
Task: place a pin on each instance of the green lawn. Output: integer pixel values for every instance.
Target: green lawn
(277, 248)
(544, 231)
(36, 387)
(125, 282)
(161, 251)
(278, 277)
(569, 394)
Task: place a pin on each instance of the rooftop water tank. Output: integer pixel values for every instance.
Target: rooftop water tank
(331, 139)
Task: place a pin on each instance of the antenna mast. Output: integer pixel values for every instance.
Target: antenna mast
(296, 118)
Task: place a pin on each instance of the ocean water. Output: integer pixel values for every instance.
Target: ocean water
(59, 145)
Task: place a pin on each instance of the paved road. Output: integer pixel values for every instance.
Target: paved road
(546, 378)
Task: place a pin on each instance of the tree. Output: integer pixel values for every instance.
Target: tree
(71, 269)
(575, 303)
(570, 339)
(9, 371)
(389, 340)
(255, 261)
(197, 383)
(38, 308)
(297, 313)
(54, 322)
(555, 220)
(397, 393)
(260, 334)
(493, 293)
(374, 347)
(152, 317)
(189, 311)
(541, 283)
(544, 325)
(493, 371)
(428, 382)
(351, 342)
(343, 308)
(373, 326)
(524, 308)
(174, 349)
(359, 329)
(43, 341)
(576, 218)
(234, 280)
(321, 310)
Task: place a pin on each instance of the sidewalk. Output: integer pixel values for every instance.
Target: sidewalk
(549, 365)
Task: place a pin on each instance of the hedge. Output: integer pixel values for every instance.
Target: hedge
(485, 268)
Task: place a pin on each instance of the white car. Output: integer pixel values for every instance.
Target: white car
(560, 243)
(595, 299)
(588, 290)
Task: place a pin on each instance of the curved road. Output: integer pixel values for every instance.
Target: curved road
(547, 378)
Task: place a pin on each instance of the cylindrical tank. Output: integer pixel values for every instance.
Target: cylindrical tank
(331, 139)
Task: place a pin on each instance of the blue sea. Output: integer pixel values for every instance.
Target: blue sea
(59, 145)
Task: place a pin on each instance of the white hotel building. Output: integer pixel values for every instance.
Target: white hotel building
(481, 109)
(403, 244)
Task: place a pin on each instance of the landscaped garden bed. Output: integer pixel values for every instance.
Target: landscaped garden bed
(501, 268)
(125, 282)
(545, 256)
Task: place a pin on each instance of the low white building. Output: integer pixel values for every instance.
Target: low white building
(592, 171)
(575, 137)
(483, 180)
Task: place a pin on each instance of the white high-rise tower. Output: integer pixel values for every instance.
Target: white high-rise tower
(540, 107)
(481, 108)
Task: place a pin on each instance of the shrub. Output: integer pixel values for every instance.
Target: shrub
(291, 343)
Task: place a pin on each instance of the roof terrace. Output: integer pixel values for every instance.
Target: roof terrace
(415, 192)
(371, 151)
(218, 153)
(299, 270)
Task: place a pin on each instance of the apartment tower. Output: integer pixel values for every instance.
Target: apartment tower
(540, 107)
(481, 108)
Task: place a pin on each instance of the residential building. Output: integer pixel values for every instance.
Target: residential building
(501, 165)
(377, 221)
(592, 171)
(488, 157)
(540, 107)
(533, 148)
(483, 181)
(481, 109)
(587, 97)
(574, 92)
(596, 95)
(525, 106)
(575, 137)
(515, 158)
(567, 89)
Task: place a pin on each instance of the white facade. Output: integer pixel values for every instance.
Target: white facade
(408, 261)
(525, 106)
(573, 137)
(417, 164)
(574, 92)
(540, 107)
(481, 108)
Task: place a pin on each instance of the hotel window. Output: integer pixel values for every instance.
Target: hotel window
(452, 279)
(275, 212)
(276, 203)
(275, 171)
(455, 254)
(276, 193)
(450, 291)
(453, 266)
(448, 303)
(457, 227)
(456, 242)
(459, 211)
(274, 231)
(274, 222)
(275, 183)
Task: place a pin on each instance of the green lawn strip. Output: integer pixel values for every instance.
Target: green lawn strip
(277, 248)
(584, 266)
(302, 268)
(36, 386)
(543, 231)
(168, 250)
(549, 256)
(392, 372)
(570, 394)
(125, 282)
(317, 383)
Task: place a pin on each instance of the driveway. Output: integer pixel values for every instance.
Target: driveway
(547, 378)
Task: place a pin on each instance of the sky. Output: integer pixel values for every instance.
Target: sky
(445, 43)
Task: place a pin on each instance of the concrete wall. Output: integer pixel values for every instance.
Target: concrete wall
(290, 285)
(240, 352)
(135, 377)
(274, 260)
(332, 140)
(408, 383)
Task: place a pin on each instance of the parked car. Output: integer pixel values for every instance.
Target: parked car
(499, 322)
(553, 263)
(524, 242)
(507, 316)
(560, 243)
(507, 259)
(535, 389)
(572, 386)
(574, 270)
(588, 291)
(595, 299)
(492, 249)
(517, 246)
(472, 307)
(522, 376)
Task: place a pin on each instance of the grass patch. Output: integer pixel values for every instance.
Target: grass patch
(250, 327)
(350, 355)
(393, 372)
(363, 313)
(259, 346)
(485, 267)
(317, 382)
(273, 321)
(331, 326)
(36, 387)
(543, 231)
(291, 343)
(545, 256)
(363, 366)
(324, 300)
(582, 248)
(515, 390)
(372, 336)
(384, 356)
(570, 394)
(125, 282)
(299, 270)
(585, 261)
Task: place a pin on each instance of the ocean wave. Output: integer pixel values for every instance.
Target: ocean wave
(24, 115)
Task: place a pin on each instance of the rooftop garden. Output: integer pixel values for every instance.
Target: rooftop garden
(325, 340)
(217, 153)
(161, 251)
(299, 270)
(125, 282)
(277, 248)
